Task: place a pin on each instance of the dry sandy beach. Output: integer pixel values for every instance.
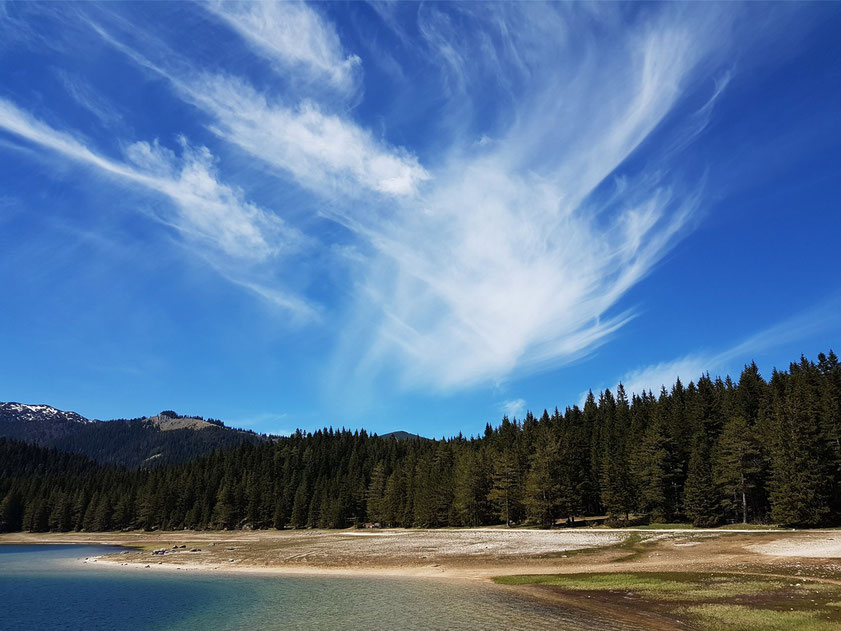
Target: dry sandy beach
(471, 553)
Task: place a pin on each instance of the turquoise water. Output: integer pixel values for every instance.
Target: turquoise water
(47, 588)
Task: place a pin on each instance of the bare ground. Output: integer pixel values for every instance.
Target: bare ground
(475, 553)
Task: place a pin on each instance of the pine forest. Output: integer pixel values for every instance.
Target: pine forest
(709, 452)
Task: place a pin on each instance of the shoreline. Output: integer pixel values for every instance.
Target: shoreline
(473, 554)
(115, 563)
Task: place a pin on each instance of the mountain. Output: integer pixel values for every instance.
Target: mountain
(38, 423)
(166, 438)
(401, 435)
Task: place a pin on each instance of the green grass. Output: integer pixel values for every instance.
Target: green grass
(634, 545)
(609, 582)
(684, 587)
(717, 617)
(713, 601)
(664, 586)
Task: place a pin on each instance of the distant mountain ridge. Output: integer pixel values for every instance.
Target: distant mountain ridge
(37, 423)
(166, 438)
(28, 412)
(401, 435)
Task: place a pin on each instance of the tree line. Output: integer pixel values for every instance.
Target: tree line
(709, 452)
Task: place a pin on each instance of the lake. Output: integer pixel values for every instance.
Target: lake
(46, 587)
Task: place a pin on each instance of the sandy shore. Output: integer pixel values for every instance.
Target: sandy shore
(480, 553)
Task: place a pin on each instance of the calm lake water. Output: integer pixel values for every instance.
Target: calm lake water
(47, 588)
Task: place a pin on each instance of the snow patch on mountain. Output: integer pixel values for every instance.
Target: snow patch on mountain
(40, 413)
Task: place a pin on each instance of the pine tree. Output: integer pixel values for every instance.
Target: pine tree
(542, 489)
(591, 439)
(750, 394)
(393, 506)
(224, 513)
(300, 507)
(618, 493)
(573, 475)
(376, 492)
(651, 465)
(102, 513)
(800, 482)
(426, 513)
(471, 487)
(11, 512)
(701, 500)
(829, 394)
(505, 491)
(738, 465)
(61, 513)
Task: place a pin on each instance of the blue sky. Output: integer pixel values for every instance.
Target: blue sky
(410, 216)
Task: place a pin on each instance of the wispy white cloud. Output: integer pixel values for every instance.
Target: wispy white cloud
(690, 367)
(442, 39)
(208, 210)
(294, 36)
(501, 257)
(513, 407)
(265, 422)
(322, 151)
(204, 210)
(517, 253)
(687, 368)
(89, 98)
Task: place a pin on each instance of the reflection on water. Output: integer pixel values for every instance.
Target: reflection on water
(42, 587)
